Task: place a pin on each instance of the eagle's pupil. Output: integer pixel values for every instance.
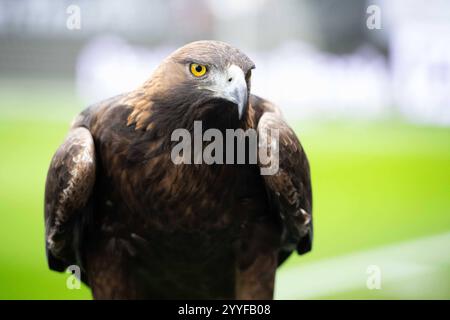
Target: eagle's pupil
(198, 68)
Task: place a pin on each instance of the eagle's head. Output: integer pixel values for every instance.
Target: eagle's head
(203, 78)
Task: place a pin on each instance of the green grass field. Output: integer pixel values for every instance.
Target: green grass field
(374, 185)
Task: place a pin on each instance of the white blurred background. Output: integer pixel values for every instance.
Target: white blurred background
(316, 59)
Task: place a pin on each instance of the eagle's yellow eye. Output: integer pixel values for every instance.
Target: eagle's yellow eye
(198, 70)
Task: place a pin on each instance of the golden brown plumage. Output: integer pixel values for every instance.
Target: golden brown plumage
(141, 226)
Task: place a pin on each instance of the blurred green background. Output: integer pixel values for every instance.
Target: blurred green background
(375, 184)
(374, 123)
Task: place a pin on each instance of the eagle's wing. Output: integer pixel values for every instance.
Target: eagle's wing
(68, 190)
(288, 183)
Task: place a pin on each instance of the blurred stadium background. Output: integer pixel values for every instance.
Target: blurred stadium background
(371, 107)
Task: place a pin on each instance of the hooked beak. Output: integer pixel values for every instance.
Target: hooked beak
(233, 88)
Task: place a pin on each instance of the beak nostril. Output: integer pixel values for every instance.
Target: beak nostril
(230, 79)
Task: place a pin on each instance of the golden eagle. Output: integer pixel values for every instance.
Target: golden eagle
(141, 226)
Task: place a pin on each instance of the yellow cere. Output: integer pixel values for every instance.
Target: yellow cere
(198, 70)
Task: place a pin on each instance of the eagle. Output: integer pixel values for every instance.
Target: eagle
(141, 226)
